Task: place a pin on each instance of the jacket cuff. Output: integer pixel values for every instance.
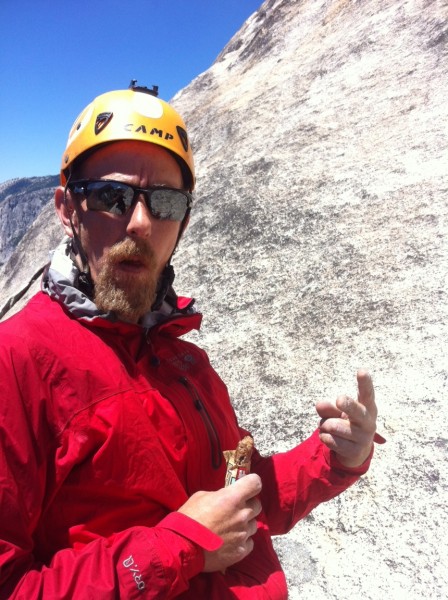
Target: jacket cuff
(192, 530)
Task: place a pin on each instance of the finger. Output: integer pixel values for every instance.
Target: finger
(337, 428)
(255, 507)
(351, 409)
(333, 431)
(327, 410)
(363, 411)
(252, 528)
(249, 546)
(344, 429)
(340, 445)
(366, 392)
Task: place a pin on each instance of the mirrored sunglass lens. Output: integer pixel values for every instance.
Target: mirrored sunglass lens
(168, 204)
(107, 196)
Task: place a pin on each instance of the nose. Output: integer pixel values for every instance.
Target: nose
(139, 223)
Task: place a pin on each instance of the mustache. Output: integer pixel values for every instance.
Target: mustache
(130, 249)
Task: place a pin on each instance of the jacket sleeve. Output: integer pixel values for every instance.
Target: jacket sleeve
(140, 562)
(297, 481)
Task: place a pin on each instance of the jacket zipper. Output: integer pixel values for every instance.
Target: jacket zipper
(215, 444)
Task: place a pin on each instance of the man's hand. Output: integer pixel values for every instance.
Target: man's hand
(348, 428)
(230, 513)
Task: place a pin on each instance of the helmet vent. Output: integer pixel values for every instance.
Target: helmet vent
(183, 137)
(102, 120)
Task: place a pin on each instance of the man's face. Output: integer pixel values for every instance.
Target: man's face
(127, 253)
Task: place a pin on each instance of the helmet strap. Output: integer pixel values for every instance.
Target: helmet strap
(164, 285)
(85, 282)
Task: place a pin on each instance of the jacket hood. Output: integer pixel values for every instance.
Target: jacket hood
(60, 282)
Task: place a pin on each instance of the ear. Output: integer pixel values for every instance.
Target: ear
(65, 210)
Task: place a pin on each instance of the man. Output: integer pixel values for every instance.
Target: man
(112, 428)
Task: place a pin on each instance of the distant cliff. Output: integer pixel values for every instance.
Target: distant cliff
(21, 201)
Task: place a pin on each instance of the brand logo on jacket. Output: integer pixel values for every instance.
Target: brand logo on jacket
(130, 564)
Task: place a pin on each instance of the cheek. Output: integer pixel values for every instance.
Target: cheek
(97, 236)
(164, 238)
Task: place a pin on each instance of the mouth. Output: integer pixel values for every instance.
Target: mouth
(131, 265)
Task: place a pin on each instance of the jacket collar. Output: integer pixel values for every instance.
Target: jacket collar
(61, 283)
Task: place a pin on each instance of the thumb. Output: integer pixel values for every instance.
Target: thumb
(248, 486)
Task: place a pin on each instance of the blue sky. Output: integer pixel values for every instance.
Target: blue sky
(57, 55)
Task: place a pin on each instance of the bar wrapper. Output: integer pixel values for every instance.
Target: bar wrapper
(238, 460)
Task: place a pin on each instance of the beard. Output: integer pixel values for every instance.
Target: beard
(128, 294)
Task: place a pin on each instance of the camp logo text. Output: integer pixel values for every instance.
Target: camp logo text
(164, 135)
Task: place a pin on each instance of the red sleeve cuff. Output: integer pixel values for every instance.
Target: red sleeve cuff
(192, 530)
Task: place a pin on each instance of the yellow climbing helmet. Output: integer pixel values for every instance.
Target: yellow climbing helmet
(133, 114)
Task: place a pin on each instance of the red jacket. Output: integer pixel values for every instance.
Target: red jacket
(105, 430)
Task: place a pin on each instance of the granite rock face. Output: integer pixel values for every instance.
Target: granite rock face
(21, 201)
(318, 245)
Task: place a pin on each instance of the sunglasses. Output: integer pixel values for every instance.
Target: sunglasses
(117, 198)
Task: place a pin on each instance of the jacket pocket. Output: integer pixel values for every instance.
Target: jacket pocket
(215, 444)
